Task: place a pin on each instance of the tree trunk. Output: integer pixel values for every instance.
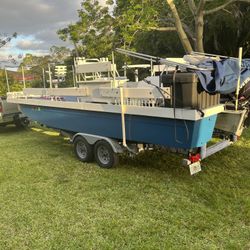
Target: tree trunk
(179, 28)
(199, 30)
(76, 49)
(199, 26)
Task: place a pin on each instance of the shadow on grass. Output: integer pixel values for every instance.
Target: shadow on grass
(54, 137)
(157, 160)
(11, 129)
(147, 161)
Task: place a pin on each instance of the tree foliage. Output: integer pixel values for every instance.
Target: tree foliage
(93, 34)
(160, 27)
(59, 54)
(228, 30)
(13, 84)
(34, 65)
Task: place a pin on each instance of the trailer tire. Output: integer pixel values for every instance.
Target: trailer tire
(83, 150)
(21, 122)
(105, 155)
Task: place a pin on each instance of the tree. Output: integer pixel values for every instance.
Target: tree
(34, 65)
(13, 84)
(188, 18)
(199, 10)
(3, 87)
(93, 34)
(219, 30)
(153, 26)
(59, 54)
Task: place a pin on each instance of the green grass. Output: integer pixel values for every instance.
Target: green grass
(50, 200)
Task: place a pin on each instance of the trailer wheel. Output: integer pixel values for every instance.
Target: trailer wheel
(105, 155)
(83, 150)
(21, 122)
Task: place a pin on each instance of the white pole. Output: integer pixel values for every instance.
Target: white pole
(24, 83)
(113, 64)
(151, 67)
(73, 72)
(44, 79)
(124, 143)
(7, 80)
(136, 75)
(238, 83)
(50, 80)
(125, 70)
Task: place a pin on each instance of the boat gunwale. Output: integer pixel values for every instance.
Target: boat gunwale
(161, 112)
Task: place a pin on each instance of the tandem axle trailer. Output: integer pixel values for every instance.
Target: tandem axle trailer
(105, 151)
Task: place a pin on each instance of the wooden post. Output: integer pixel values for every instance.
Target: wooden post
(7, 80)
(24, 83)
(238, 83)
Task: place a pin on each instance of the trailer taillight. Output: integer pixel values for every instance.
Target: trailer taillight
(195, 158)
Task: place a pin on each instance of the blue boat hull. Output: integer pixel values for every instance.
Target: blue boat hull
(142, 129)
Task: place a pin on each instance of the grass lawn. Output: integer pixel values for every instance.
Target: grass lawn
(50, 200)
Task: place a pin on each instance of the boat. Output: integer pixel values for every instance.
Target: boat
(169, 108)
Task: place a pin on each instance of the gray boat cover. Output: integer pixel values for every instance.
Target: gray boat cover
(223, 79)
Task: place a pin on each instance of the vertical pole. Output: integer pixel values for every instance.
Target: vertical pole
(7, 80)
(238, 83)
(73, 72)
(113, 65)
(50, 80)
(136, 75)
(44, 79)
(151, 66)
(203, 151)
(124, 143)
(125, 70)
(24, 83)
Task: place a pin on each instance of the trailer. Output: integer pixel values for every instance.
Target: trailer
(175, 109)
(105, 151)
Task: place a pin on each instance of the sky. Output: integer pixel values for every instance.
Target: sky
(36, 22)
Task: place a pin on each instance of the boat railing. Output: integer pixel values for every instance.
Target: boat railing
(15, 95)
(97, 71)
(139, 97)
